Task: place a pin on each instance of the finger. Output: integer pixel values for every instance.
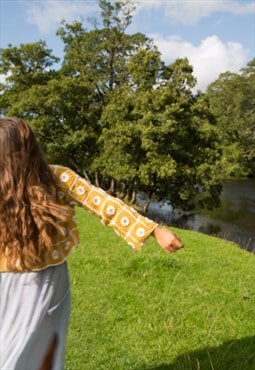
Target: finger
(175, 245)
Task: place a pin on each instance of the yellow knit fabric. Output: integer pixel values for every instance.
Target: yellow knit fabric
(75, 191)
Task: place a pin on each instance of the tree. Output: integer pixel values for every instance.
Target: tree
(24, 67)
(248, 110)
(101, 55)
(61, 108)
(99, 59)
(231, 99)
(65, 118)
(161, 140)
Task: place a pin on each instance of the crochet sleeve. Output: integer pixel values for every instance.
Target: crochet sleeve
(126, 222)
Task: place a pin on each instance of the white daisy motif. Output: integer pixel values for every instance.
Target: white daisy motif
(140, 232)
(125, 221)
(55, 254)
(96, 200)
(64, 177)
(111, 210)
(80, 190)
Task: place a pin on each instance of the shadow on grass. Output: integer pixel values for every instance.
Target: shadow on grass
(231, 355)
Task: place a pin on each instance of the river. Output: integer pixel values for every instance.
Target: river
(234, 220)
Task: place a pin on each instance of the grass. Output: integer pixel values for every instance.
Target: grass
(150, 310)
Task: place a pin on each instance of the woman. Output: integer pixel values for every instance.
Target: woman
(38, 231)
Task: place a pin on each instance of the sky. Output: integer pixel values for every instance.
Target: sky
(215, 35)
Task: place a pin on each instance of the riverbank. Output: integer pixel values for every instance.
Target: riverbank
(150, 310)
(234, 220)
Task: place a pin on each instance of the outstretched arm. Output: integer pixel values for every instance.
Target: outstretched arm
(126, 222)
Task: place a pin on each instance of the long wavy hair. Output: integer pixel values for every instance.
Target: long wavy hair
(30, 215)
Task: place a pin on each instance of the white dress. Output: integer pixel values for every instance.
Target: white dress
(38, 306)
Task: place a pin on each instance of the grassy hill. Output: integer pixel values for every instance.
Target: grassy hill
(149, 310)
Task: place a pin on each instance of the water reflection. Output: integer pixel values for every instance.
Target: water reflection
(234, 220)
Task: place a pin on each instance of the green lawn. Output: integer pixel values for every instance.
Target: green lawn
(149, 310)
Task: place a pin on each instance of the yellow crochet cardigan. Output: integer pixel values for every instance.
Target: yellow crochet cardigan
(75, 191)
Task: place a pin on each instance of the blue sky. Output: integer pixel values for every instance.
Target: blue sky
(215, 35)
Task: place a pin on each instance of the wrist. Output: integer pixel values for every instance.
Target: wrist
(155, 231)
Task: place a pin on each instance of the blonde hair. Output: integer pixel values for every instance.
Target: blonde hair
(30, 215)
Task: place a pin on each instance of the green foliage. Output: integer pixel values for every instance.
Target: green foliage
(117, 13)
(190, 310)
(232, 99)
(67, 127)
(25, 67)
(163, 139)
(145, 68)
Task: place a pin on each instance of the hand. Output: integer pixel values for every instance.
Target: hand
(167, 239)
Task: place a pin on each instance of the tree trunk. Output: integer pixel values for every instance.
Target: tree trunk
(97, 180)
(147, 203)
(122, 192)
(86, 176)
(133, 196)
(130, 195)
(112, 187)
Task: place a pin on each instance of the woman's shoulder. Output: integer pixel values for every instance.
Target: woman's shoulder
(62, 172)
(63, 175)
(56, 168)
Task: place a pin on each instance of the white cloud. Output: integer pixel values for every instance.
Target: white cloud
(47, 14)
(190, 12)
(210, 58)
